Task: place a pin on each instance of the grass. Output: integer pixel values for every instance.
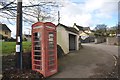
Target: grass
(9, 47)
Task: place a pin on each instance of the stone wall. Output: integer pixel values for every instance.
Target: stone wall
(112, 40)
(100, 40)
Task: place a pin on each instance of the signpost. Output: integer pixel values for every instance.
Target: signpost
(19, 35)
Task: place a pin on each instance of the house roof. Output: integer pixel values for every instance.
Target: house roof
(79, 27)
(86, 28)
(86, 33)
(4, 27)
(69, 28)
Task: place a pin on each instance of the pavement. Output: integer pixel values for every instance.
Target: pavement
(92, 59)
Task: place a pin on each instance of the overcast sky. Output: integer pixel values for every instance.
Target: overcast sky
(84, 13)
(90, 12)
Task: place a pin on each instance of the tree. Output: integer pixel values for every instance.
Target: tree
(101, 30)
(102, 27)
(33, 10)
(112, 31)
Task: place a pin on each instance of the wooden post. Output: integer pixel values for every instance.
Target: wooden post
(19, 35)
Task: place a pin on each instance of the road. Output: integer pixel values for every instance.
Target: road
(109, 49)
(92, 59)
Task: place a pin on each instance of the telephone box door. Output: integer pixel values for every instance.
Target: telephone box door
(51, 52)
(37, 50)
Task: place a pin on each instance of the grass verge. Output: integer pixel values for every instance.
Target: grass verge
(9, 47)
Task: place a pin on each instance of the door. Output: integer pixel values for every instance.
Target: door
(51, 51)
(72, 43)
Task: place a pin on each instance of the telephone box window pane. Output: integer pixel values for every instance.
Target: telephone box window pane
(37, 67)
(50, 52)
(37, 36)
(36, 43)
(51, 35)
(51, 43)
(37, 53)
(37, 48)
(37, 57)
(51, 58)
(51, 40)
(37, 62)
(51, 67)
(51, 62)
(51, 46)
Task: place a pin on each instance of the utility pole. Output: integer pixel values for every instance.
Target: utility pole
(19, 35)
(58, 17)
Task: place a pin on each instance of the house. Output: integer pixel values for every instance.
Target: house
(27, 37)
(67, 38)
(85, 33)
(77, 27)
(87, 37)
(5, 31)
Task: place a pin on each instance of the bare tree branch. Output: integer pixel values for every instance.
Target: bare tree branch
(33, 12)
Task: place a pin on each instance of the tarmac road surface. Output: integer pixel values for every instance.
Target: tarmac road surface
(92, 59)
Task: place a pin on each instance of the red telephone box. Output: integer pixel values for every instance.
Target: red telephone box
(44, 48)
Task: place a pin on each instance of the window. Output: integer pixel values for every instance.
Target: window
(37, 38)
(51, 40)
(38, 67)
(37, 53)
(51, 62)
(50, 52)
(6, 32)
(37, 57)
(51, 58)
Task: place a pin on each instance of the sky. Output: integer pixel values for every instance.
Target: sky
(90, 12)
(82, 12)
